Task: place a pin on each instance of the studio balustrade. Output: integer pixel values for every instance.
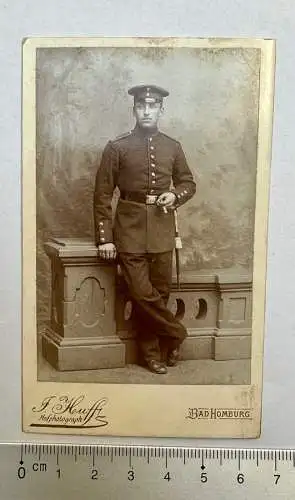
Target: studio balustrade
(90, 325)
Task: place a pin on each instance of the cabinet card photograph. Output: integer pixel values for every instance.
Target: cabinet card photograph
(145, 185)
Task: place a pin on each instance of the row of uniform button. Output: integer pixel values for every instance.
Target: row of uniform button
(152, 157)
(101, 232)
(153, 165)
(183, 193)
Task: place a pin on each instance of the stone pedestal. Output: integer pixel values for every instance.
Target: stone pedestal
(233, 334)
(82, 333)
(91, 312)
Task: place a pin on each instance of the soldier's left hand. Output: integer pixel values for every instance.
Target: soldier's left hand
(166, 200)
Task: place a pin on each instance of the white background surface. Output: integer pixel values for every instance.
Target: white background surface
(223, 18)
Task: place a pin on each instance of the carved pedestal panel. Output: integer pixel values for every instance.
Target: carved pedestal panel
(233, 335)
(82, 332)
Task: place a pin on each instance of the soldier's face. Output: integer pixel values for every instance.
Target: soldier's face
(147, 114)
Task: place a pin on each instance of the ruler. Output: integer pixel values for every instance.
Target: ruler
(62, 471)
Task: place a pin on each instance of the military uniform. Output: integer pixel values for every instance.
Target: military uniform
(144, 164)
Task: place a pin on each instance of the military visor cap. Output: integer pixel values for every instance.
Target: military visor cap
(147, 93)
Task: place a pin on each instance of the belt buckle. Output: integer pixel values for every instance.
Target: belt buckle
(150, 199)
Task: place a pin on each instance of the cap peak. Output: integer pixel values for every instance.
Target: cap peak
(148, 90)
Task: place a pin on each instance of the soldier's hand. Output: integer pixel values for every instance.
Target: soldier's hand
(166, 200)
(107, 251)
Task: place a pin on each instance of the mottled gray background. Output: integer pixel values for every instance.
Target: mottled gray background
(227, 18)
(82, 102)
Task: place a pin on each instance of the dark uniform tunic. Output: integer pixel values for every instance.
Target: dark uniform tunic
(144, 163)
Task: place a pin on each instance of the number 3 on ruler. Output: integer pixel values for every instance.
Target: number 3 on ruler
(131, 475)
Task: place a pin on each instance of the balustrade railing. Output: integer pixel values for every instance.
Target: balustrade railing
(91, 313)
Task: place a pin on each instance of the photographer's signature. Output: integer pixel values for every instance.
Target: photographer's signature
(71, 412)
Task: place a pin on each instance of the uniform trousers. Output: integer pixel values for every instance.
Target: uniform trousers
(148, 277)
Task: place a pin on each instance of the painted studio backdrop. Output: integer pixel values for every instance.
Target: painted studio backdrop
(82, 102)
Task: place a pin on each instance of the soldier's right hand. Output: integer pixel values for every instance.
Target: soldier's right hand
(107, 251)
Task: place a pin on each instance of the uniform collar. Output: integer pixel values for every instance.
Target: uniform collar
(141, 132)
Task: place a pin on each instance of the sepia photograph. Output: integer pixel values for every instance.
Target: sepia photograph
(146, 168)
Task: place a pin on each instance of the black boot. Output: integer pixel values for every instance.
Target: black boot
(156, 367)
(173, 357)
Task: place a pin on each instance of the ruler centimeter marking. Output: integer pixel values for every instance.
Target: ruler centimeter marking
(203, 455)
(44, 467)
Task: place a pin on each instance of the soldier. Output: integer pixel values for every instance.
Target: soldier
(153, 177)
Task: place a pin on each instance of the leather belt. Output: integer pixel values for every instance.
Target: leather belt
(147, 199)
